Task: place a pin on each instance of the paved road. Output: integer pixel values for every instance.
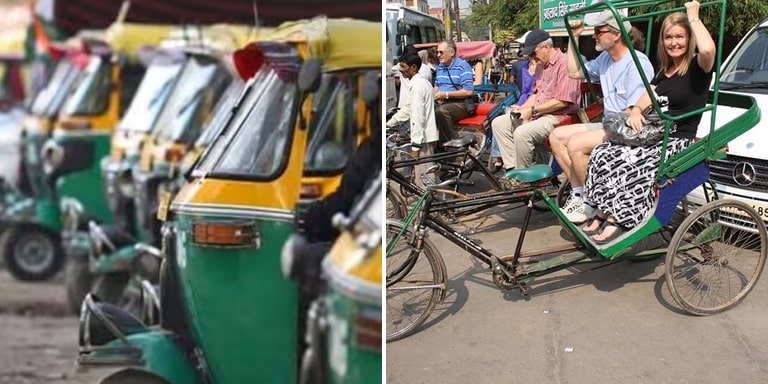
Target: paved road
(614, 325)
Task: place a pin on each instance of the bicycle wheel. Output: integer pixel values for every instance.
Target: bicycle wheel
(396, 207)
(415, 283)
(551, 189)
(716, 256)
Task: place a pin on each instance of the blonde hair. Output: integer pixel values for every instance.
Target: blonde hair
(681, 19)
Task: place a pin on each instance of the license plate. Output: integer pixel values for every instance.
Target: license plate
(759, 207)
(162, 206)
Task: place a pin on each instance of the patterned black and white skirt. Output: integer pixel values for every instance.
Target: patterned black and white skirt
(621, 179)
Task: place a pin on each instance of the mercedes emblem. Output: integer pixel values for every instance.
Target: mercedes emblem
(743, 174)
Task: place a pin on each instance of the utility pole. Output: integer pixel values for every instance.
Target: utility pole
(457, 17)
(448, 17)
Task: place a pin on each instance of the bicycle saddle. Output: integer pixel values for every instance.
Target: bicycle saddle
(462, 142)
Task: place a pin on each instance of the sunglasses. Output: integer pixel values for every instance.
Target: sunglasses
(600, 32)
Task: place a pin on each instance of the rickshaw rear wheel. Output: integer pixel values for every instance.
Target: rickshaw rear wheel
(716, 256)
(415, 283)
(31, 253)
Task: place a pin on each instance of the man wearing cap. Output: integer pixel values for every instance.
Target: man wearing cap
(622, 87)
(554, 97)
(453, 83)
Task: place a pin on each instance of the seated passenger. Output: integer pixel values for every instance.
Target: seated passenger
(453, 83)
(554, 97)
(621, 179)
(622, 87)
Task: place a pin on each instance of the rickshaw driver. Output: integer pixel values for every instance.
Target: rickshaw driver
(622, 87)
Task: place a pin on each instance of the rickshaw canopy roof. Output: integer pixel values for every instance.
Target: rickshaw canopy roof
(467, 49)
(340, 43)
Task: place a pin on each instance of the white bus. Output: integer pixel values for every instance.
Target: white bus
(409, 26)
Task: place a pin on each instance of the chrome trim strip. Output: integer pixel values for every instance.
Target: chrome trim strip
(237, 211)
(351, 286)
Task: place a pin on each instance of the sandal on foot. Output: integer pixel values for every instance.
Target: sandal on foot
(590, 222)
(496, 167)
(613, 235)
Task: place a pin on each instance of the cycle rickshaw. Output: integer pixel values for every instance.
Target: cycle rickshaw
(713, 259)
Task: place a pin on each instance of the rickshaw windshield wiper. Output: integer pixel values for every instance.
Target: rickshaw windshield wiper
(190, 101)
(752, 84)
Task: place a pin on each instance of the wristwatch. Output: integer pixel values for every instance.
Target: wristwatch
(533, 110)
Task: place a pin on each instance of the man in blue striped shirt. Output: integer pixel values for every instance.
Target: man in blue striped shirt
(453, 83)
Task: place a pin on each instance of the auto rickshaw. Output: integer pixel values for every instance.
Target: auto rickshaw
(108, 257)
(33, 252)
(69, 158)
(227, 314)
(345, 319)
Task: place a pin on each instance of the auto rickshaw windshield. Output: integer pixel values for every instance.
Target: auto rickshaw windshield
(220, 113)
(255, 143)
(50, 98)
(201, 78)
(91, 93)
(154, 89)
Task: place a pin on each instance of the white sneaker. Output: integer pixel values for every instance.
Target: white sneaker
(574, 209)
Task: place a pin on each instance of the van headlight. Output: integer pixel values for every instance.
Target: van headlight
(52, 154)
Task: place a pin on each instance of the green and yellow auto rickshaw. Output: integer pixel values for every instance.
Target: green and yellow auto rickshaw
(227, 314)
(67, 164)
(343, 322)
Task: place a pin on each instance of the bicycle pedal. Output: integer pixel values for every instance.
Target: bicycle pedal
(523, 289)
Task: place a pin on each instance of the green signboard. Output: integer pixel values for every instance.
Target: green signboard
(552, 13)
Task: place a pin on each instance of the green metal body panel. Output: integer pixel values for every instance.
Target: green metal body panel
(161, 355)
(115, 261)
(43, 212)
(86, 185)
(243, 311)
(348, 362)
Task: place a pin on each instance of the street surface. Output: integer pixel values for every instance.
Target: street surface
(38, 339)
(618, 324)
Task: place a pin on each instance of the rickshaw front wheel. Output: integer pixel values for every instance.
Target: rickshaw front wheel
(716, 256)
(31, 253)
(415, 282)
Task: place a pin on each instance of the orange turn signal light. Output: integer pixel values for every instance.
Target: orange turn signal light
(368, 329)
(224, 234)
(310, 191)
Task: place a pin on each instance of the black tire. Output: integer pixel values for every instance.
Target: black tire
(716, 256)
(563, 192)
(396, 206)
(133, 376)
(78, 278)
(553, 191)
(407, 306)
(31, 253)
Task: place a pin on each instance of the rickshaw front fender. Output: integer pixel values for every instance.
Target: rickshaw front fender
(161, 357)
(41, 212)
(120, 260)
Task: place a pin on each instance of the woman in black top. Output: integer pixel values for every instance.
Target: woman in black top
(621, 179)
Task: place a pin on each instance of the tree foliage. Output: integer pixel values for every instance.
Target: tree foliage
(514, 17)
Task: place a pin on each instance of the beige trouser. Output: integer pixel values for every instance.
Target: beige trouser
(426, 150)
(517, 144)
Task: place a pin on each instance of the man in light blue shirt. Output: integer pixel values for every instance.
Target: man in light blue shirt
(453, 84)
(622, 87)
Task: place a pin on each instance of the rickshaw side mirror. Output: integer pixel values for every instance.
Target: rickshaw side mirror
(371, 88)
(309, 75)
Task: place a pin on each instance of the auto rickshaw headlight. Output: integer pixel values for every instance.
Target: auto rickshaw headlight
(52, 155)
(126, 186)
